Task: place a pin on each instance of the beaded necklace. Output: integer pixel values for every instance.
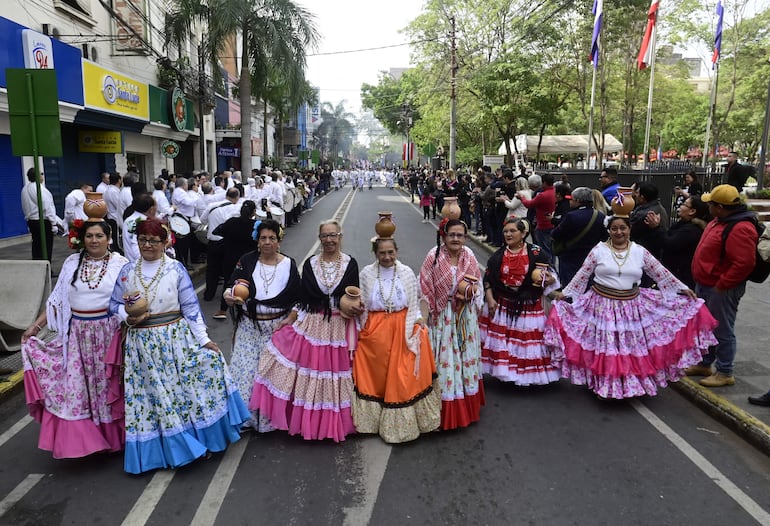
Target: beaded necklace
(92, 276)
(328, 271)
(150, 287)
(619, 258)
(388, 302)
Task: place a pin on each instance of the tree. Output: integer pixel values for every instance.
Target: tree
(336, 133)
(273, 34)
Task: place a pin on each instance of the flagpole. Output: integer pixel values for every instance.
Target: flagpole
(712, 112)
(591, 121)
(649, 101)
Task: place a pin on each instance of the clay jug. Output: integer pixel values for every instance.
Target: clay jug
(136, 304)
(622, 203)
(540, 274)
(352, 298)
(466, 288)
(241, 290)
(385, 227)
(451, 209)
(95, 207)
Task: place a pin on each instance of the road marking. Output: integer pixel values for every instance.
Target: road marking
(19, 491)
(14, 429)
(215, 494)
(148, 500)
(374, 454)
(200, 288)
(711, 471)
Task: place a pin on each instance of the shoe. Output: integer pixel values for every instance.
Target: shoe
(718, 380)
(698, 370)
(220, 315)
(424, 220)
(763, 400)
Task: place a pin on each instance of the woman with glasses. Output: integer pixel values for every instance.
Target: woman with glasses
(65, 381)
(303, 383)
(513, 319)
(619, 339)
(274, 287)
(180, 401)
(449, 280)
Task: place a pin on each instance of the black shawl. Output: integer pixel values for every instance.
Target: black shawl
(527, 294)
(313, 300)
(285, 300)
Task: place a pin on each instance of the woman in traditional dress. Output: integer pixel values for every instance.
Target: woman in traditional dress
(274, 288)
(453, 323)
(393, 368)
(180, 400)
(65, 381)
(619, 339)
(303, 384)
(513, 319)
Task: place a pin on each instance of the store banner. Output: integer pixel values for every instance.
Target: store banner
(100, 141)
(111, 92)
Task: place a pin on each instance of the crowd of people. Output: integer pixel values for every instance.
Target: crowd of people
(618, 301)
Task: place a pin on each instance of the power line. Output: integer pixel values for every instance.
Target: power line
(370, 48)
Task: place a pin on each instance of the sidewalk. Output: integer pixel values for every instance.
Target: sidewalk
(23, 251)
(730, 405)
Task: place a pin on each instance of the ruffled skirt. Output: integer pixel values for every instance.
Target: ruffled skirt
(512, 347)
(627, 348)
(392, 399)
(303, 384)
(180, 400)
(455, 340)
(69, 395)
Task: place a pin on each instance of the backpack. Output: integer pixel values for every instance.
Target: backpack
(761, 269)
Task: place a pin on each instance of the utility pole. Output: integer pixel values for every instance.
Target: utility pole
(453, 99)
(201, 94)
(763, 145)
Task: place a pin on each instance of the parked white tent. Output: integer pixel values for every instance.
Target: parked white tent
(559, 144)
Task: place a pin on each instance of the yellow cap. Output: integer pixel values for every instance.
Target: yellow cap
(724, 194)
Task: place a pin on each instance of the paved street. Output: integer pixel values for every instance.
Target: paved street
(552, 455)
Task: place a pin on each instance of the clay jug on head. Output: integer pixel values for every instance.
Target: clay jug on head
(385, 227)
(94, 206)
(451, 209)
(622, 203)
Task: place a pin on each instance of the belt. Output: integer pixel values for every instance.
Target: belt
(615, 294)
(90, 314)
(162, 318)
(266, 317)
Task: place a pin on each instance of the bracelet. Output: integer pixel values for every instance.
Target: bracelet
(38, 327)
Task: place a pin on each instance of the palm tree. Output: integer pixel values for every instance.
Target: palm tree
(274, 34)
(336, 133)
(286, 96)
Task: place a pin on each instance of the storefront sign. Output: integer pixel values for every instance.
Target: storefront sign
(98, 141)
(228, 151)
(112, 92)
(178, 109)
(38, 50)
(169, 149)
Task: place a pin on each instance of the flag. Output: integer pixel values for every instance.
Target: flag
(647, 53)
(718, 35)
(597, 11)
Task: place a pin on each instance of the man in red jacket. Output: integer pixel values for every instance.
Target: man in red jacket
(544, 204)
(720, 269)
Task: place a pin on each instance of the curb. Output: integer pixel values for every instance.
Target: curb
(12, 385)
(746, 425)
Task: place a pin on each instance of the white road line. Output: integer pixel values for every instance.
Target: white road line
(200, 288)
(148, 500)
(724, 483)
(215, 494)
(374, 454)
(19, 491)
(15, 428)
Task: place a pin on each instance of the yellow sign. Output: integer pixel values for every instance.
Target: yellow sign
(108, 91)
(93, 141)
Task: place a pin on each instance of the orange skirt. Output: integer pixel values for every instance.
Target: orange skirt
(383, 365)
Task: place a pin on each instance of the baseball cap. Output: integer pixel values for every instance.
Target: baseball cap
(724, 194)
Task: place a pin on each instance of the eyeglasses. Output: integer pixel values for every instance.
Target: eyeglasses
(147, 241)
(455, 235)
(333, 235)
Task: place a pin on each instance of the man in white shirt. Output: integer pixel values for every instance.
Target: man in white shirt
(144, 207)
(51, 220)
(126, 195)
(217, 215)
(159, 194)
(184, 203)
(105, 182)
(73, 204)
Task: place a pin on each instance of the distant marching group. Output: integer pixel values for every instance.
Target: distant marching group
(334, 349)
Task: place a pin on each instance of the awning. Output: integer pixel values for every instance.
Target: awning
(560, 144)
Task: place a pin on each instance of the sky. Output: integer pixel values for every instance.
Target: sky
(357, 24)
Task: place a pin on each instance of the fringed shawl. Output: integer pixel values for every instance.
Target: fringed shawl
(314, 300)
(436, 281)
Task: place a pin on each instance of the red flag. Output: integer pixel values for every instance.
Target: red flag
(647, 52)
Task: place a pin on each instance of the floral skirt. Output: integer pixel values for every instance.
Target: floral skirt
(627, 348)
(249, 342)
(396, 395)
(512, 347)
(180, 400)
(455, 340)
(69, 395)
(303, 383)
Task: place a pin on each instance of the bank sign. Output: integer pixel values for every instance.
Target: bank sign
(38, 50)
(111, 92)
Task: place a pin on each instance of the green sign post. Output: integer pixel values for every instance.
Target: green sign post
(33, 108)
